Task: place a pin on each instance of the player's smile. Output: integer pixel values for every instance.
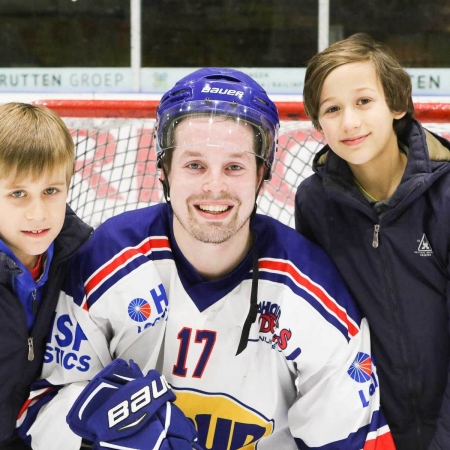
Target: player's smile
(214, 211)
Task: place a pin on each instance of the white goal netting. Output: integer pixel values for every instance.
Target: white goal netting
(116, 162)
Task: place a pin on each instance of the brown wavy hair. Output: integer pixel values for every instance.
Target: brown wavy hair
(360, 47)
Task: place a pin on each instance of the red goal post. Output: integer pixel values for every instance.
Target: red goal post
(116, 170)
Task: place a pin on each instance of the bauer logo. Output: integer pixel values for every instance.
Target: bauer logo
(139, 310)
(361, 368)
(221, 91)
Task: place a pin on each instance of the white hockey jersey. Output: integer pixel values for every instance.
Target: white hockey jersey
(305, 380)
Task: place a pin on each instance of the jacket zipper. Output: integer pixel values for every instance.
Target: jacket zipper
(30, 349)
(30, 339)
(410, 384)
(376, 231)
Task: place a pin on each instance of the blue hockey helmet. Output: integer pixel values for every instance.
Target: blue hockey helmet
(219, 92)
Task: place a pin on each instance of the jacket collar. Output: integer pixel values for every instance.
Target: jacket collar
(73, 234)
(8, 268)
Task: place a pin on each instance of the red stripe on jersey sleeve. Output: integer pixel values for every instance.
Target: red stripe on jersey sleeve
(315, 290)
(144, 248)
(383, 442)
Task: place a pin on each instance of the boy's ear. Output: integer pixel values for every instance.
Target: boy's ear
(398, 115)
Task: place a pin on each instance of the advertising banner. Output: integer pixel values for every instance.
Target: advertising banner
(285, 81)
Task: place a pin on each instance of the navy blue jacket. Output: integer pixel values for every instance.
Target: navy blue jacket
(401, 285)
(18, 366)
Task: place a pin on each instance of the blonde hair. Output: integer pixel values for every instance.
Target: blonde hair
(360, 47)
(34, 141)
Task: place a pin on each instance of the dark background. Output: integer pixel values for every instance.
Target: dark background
(197, 33)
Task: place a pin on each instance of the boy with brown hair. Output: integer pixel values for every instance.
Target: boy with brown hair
(378, 203)
(38, 234)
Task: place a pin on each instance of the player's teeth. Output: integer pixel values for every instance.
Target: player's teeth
(213, 208)
(36, 231)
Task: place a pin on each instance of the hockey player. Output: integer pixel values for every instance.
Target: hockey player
(38, 233)
(248, 322)
(381, 193)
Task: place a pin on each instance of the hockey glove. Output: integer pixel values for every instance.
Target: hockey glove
(122, 408)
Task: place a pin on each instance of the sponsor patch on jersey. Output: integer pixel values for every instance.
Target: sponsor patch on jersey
(222, 421)
(361, 368)
(269, 328)
(139, 310)
(65, 345)
(361, 372)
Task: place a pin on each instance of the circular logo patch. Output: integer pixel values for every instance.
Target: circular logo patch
(139, 310)
(361, 368)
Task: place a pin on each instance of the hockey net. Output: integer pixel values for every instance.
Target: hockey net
(116, 169)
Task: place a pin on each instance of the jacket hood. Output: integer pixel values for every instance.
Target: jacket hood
(73, 234)
(8, 267)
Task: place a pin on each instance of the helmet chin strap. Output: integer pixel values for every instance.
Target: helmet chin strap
(266, 177)
(165, 183)
(253, 310)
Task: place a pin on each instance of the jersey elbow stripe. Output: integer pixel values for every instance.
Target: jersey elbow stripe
(120, 260)
(372, 436)
(380, 440)
(304, 282)
(33, 398)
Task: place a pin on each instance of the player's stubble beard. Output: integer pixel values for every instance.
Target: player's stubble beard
(210, 232)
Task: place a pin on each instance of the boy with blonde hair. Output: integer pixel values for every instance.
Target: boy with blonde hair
(38, 234)
(378, 204)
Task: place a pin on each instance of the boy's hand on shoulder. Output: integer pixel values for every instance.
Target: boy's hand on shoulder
(122, 407)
